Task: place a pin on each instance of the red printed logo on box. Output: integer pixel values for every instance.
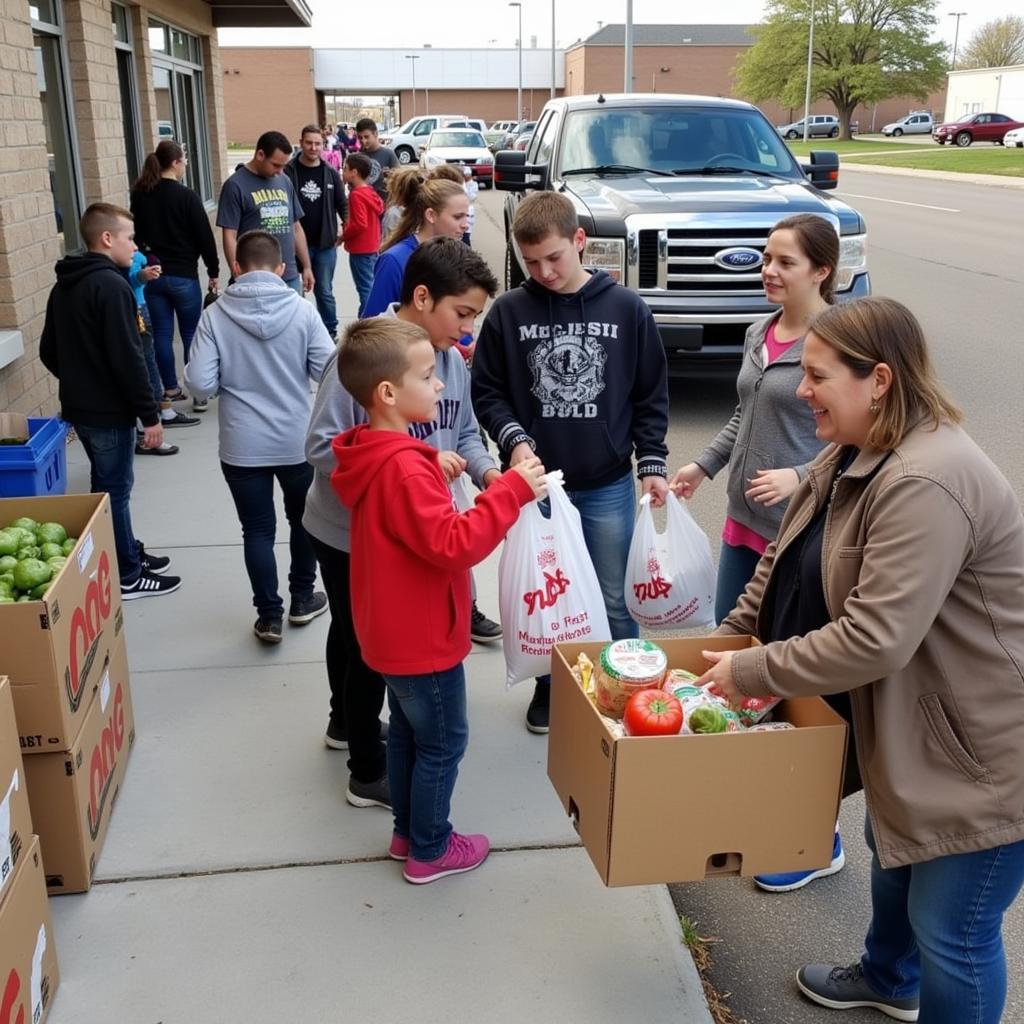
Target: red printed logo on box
(103, 761)
(87, 622)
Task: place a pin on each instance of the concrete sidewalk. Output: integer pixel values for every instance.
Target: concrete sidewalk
(237, 885)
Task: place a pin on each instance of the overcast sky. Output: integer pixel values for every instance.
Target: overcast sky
(413, 23)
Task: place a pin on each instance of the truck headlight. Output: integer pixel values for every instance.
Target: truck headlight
(853, 259)
(608, 254)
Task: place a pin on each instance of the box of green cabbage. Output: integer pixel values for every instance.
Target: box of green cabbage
(60, 611)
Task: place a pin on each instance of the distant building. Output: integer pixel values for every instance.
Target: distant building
(986, 90)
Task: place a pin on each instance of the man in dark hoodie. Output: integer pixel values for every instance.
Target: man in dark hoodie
(321, 195)
(91, 343)
(570, 366)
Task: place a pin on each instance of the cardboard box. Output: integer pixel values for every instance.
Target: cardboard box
(28, 952)
(63, 640)
(72, 794)
(15, 817)
(684, 808)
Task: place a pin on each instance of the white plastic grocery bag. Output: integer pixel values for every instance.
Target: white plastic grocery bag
(670, 576)
(548, 590)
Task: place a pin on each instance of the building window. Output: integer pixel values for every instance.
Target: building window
(51, 76)
(126, 86)
(180, 103)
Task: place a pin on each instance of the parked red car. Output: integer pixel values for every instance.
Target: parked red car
(975, 128)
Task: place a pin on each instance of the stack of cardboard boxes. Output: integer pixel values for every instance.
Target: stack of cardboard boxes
(28, 957)
(68, 670)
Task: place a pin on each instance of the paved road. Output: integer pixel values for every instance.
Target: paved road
(951, 251)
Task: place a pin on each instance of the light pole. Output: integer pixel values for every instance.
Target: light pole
(654, 77)
(810, 62)
(519, 43)
(413, 57)
(552, 49)
(956, 34)
(627, 70)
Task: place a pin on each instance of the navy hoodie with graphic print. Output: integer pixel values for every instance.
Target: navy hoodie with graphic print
(582, 378)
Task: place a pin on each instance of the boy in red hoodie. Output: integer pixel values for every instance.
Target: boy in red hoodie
(361, 237)
(411, 556)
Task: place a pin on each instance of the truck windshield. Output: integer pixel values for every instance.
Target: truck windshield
(674, 140)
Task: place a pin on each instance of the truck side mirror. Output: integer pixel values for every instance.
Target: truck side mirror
(823, 170)
(513, 174)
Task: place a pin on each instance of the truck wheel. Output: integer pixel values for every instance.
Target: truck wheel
(897, 132)
(404, 154)
(963, 138)
(792, 135)
(513, 275)
(834, 133)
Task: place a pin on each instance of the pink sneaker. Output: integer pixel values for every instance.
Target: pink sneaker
(463, 854)
(399, 848)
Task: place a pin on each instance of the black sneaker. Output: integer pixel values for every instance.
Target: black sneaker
(306, 609)
(164, 449)
(336, 736)
(180, 419)
(200, 404)
(268, 630)
(368, 794)
(149, 585)
(153, 563)
(539, 709)
(843, 988)
(482, 629)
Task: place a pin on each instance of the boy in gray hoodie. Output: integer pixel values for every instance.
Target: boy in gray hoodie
(259, 347)
(445, 288)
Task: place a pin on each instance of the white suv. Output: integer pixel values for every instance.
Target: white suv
(408, 140)
(918, 123)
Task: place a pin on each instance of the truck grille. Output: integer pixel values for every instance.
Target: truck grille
(689, 267)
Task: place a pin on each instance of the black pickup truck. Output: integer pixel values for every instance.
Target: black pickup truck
(677, 195)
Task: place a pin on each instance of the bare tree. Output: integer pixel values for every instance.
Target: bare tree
(997, 44)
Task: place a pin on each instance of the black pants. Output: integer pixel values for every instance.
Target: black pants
(357, 692)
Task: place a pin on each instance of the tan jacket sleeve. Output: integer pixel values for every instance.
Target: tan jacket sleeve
(918, 540)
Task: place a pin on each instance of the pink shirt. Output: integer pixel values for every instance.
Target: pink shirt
(733, 533)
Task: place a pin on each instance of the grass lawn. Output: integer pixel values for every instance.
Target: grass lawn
(981, 158)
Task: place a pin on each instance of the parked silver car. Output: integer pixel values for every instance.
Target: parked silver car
(920, 122)
(821, 126)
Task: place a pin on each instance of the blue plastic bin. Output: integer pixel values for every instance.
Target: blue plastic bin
(39, 468)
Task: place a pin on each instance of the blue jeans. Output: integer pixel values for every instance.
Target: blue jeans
(362, 265)
(252, 488)
(324, 262)
(607, 514)
(427, 737)
(295, 283)
(166, 297)
(936, 930)
(149, 354)
(736, 567)
(111, 453)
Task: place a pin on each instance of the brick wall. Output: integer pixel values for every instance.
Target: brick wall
(28, 238)
(281, 78)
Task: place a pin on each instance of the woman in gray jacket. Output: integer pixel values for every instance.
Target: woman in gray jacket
(898, 576)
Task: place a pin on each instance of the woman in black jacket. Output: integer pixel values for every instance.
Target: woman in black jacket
(172, 227)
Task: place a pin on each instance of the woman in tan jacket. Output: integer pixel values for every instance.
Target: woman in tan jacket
(898, 575)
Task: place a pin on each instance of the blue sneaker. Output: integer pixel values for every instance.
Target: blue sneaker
(788, 881)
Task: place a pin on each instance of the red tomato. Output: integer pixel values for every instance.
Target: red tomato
(652, 713)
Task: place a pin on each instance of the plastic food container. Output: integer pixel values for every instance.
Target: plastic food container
(625, 667)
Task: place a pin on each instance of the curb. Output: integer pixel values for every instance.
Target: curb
(998, 180)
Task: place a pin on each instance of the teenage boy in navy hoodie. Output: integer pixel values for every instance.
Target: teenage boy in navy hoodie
(570, 366)
(411, 556)
(91, 344)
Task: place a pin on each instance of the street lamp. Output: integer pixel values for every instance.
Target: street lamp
(810, 62)
(413, 57)
(552, 49)
(519, 90)
(627, 56)
(654, 77)
(956, 35)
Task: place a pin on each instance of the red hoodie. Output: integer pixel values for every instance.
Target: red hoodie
(362, 232)
(412, 551)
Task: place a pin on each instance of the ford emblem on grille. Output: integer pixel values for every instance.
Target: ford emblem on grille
(740, 258)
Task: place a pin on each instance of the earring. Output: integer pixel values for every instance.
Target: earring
(874, 407)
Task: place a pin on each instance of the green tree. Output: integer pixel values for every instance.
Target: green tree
(864, 51)
(997, 44)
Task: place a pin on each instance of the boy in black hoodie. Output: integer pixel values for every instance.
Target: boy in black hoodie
(91, 343)
(570, 366)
